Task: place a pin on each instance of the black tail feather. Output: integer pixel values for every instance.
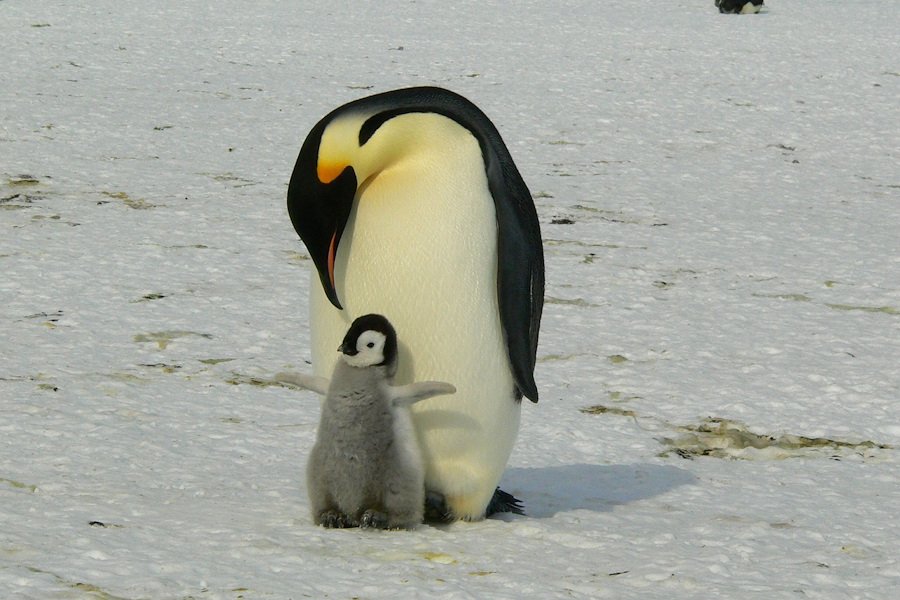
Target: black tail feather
(504, 502)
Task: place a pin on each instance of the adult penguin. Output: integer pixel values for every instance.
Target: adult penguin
(739, 7)
(410, 205)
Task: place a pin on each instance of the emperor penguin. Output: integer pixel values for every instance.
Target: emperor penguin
(742, 7)
(409, 204)
(366, 468)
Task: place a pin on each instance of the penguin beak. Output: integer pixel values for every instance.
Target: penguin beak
(348, 349)
(319, 202)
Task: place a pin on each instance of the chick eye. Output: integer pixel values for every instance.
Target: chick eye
(370, 345)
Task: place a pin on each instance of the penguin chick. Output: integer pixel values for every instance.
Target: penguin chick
(366, 468)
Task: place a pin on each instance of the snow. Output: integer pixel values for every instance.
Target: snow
(719, 198)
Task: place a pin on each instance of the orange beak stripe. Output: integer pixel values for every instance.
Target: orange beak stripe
(332, 250)
(329, 171)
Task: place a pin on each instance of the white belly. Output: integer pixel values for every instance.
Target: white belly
(426, 259)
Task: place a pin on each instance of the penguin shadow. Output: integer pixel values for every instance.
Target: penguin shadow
(546, 491)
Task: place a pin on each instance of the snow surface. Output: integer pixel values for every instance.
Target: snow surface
(720, 383)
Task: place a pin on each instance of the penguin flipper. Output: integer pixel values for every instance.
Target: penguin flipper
(407, 395)
(520, 265)
(312, 383)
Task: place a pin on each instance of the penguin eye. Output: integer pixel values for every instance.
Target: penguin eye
(370, 345)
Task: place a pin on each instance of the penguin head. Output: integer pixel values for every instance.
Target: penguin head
(371, 341)
(354, 144)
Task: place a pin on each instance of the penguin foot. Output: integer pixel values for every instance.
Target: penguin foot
(503, 502)
(436, 509)
(332, 519)
(373, 519)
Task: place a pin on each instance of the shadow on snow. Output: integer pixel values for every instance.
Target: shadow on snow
(546, 491)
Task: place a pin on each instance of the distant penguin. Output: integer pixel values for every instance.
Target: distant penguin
(366, 468)
(743, 7)
(410, 204)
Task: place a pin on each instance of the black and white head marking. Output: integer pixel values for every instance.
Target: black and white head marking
(370, 341)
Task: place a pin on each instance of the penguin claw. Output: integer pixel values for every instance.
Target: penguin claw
(373, 519)
(332, 519)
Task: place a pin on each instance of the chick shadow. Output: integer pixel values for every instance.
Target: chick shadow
(546, 491)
